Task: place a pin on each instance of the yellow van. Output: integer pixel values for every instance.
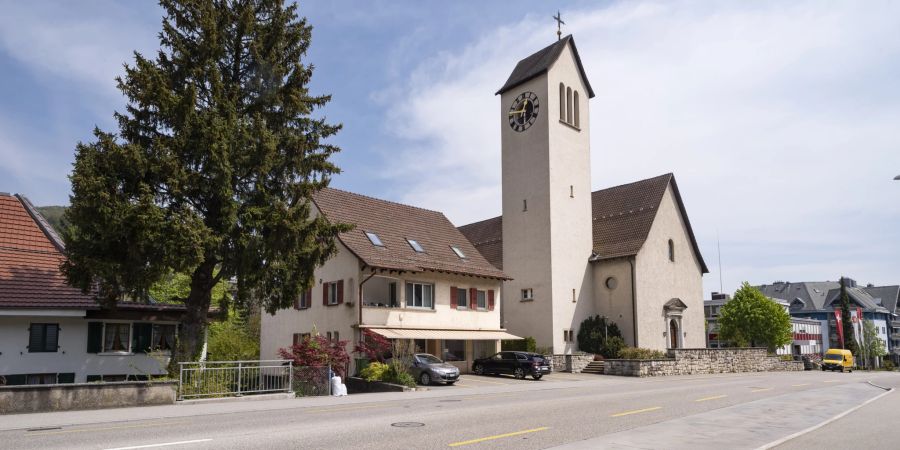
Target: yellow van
(837, 359)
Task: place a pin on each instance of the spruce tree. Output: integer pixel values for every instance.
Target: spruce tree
(212, 168)
(847, 324)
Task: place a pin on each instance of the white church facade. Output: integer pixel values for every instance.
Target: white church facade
(558, 254)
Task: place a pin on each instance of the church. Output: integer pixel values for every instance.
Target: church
(627, 253)
(559, 253)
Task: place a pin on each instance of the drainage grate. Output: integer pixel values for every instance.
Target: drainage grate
(407, 424)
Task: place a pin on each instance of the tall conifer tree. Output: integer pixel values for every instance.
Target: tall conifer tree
(846, 323)
(212, 168)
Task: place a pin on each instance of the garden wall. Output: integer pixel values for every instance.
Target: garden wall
(702, 361)
(570, 363)
(62, 397)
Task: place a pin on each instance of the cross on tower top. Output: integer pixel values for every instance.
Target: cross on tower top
(559, 24)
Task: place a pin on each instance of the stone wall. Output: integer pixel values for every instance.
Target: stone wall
(62, 397)
(702, 361)
(357, 385)
(570, 363)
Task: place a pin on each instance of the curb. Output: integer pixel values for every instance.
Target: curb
(245, 398)
(820, 425)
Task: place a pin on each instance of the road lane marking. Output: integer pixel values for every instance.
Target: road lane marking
(485, 381)
(345, 408)
(714, 397)
(122, 427)
(166, 444)
(761, 390)
(831, 381)
(636, 411)
(498, 436)
(801, 384)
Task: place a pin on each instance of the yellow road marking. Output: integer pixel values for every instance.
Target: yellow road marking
(761, 390)
(636, 411)
(498, 436)
(714, 397)
(801, 384)
(345, 408)
(82, 430)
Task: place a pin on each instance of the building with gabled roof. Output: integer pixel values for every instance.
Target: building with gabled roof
(53, 333)
(818, 300)
(627, 252)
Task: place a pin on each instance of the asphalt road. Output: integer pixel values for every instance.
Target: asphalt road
(484, 413)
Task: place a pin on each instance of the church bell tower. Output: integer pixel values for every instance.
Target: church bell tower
(546, 163)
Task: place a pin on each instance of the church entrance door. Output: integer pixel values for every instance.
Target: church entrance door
(673, 334)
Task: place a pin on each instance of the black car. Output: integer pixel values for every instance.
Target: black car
(518, 364)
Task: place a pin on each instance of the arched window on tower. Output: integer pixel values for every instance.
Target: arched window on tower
(569, 115)
(671, 250)
(577, 120)
(562, 102)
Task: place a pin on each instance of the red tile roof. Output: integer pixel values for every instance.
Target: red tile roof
(29, 263)
(394, 223)
(622, 217)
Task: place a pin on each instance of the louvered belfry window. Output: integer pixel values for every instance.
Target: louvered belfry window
(43, 337)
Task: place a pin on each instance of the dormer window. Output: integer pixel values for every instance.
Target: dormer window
(376, 241)
(415, 246)
(458, 252)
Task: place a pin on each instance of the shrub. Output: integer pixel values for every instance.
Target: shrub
(613, 347)
(520, 345)
(888, 365)
(318, 351)
(373, 346)
(593, 334)
(374, 371)
(395, 373)
(640, 353)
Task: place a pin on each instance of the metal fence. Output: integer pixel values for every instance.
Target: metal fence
(233, 378)
(211, 379)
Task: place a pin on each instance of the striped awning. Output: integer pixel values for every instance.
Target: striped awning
(472, 335)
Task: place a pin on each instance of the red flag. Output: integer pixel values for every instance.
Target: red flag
(840, 326)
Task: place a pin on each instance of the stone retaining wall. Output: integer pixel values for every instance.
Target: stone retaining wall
(702, 361)
(570, 363)
(62, 397)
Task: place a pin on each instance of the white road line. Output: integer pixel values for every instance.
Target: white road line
(161, 445)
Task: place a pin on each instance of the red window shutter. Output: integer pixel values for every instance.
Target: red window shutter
(308, 298)
(490, 295)
(340, 291)
(325, 293)
(454, 294)
(473, 298)
(296, 338)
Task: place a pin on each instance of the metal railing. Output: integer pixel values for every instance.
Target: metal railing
(234, 378)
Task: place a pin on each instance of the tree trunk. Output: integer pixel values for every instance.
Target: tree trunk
(193, 325)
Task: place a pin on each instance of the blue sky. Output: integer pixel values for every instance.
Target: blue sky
(779, 119)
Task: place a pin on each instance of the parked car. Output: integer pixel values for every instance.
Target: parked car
(518, 364)
(427, 369)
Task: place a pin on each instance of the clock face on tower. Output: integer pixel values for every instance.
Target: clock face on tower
(523, 111)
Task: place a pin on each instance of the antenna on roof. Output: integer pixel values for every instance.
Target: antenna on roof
(559, 24)
(719, 248)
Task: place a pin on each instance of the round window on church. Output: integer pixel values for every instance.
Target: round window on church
(611, 282)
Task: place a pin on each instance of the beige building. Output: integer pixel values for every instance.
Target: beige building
(627, 253)
(402, 272)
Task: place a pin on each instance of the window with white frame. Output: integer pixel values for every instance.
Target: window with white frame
(332, 290)
(482, 299)
(462, 298)
(528, 294)
(163, 337)
(419, 295)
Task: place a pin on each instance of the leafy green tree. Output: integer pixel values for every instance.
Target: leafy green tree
(235, 339)
(873, 347)
(752, 319)
(598, 336)
(850, 341)
(211, 171)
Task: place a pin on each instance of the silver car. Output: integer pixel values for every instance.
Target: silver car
(427, 369)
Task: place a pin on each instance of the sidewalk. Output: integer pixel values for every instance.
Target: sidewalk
(762, 422)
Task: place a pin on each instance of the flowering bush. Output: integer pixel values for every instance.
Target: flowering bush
(318, 351)
(373, 346)
(374, 371)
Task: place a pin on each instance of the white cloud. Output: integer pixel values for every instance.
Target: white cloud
(778, 119)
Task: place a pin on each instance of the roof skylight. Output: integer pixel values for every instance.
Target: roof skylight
(415, 246)
(458, 252)
(374, 239)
